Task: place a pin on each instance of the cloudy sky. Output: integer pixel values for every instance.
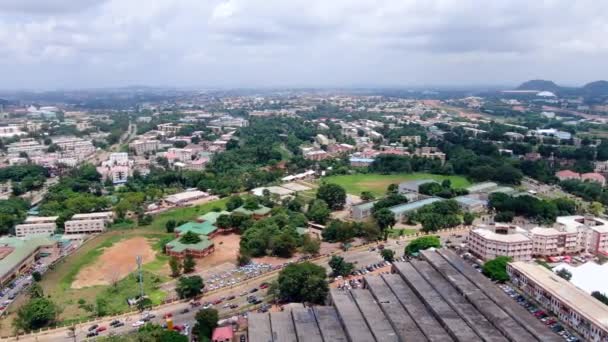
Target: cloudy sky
(50, 44)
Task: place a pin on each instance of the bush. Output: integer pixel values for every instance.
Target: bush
(496, 269)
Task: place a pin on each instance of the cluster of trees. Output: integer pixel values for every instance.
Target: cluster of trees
(496, 269)
(340, 231)
(600, 296)
(303, 283)
(540, 210)
(275, 235)
(12, 211)
(24, 178)
(590, 191)
(186, 266)
(79, 191)
(564, 273)
(438, 215)
(444, 189)
(422, 243)
(38, 312)
(189, 287)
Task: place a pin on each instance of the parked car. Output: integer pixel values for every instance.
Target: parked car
(119, 324)
(138, 324)
(253, 290)
(101, 328)
(93, 327)
(92, 333)
(184, 311)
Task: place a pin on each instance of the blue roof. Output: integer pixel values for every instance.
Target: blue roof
(469, 200)
(407, 207)
(361, 160)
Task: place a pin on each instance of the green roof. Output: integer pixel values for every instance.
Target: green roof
(177, 246)
(203, 228)
(212, 216)
(22, 249)
(261, 211)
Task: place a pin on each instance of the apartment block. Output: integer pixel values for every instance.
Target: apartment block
(89, 223)
(35, 225)
(140, 147)
(488, 242)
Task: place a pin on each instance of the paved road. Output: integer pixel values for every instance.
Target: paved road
(359, 255)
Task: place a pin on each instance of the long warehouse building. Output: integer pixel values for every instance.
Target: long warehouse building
(437, 298)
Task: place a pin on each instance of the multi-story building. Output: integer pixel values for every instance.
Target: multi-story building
(169, 128)
(36, 225)
(590, 233)
(488, 242)
(74, 147)
(29, 146)
(119, 158)
(573, 306)
(140, 147)
(11, 131)
(88, 223)
(183, 155)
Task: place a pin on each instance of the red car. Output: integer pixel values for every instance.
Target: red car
(168, 315)
(264, 285)
(217, 301)
(101, 328)
(178, 327)
(195, 303)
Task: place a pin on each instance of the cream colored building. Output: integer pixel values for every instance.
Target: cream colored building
(88, 223)
(140, 147)
(35, 225)
(488, 242)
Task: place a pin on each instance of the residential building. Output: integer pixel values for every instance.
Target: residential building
(572, 306)
(88, 223)
(36, 225)
(179, 250)
(471, 204)
(362, 211)
(169, 128)
(411, 139)
(489, 241)
(29, 146)
(10, 131)
(74, 147)
(141, 147)
(222, 334)
(414, 186)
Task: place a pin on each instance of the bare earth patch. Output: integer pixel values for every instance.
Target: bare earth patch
(226, 250)
(115, 263)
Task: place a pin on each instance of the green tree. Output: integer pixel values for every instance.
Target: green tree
(170, 226)
(190, 238)
(468, 218)
(35, 314)
(310, 245)
(318, 212)
(37, 276)
(496, 269)
(392, 189)
(600, 296)
(340, 267)
(596, 208)
(303, 282)
(189, 287)
(385, 220)
(283, 245)
(224, 221)
(388, 254)
(338, 231)
(35, 291)
(422, 243)
(564, 273)
(367, 196)
(189, 264)
(206, 321)
(243, 258)
(333, 194)
(234, 202)
(176, 267)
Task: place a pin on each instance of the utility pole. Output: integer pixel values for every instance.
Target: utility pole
(141, 277)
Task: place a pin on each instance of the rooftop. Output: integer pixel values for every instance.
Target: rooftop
(577, 299)
(21, 249)
(261, 211)
(177, 246)
(202, 228)
(588, 277)
(479, 187)
(407, 207)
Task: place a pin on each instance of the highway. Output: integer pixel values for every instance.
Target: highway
(360, 255)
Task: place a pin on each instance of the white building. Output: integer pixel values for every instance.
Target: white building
(74, 147)
(89, 223)
(140, 147)
(185, 198)
(29, 146)
(36, 225)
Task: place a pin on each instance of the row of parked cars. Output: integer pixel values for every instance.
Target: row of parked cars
(371, 268)
(551, 322)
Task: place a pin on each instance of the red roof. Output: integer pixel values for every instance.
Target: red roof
(222, 334)
(593, 176)
(567, 174)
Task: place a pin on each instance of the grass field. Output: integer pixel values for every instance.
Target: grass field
(57, 282)
(377, 183)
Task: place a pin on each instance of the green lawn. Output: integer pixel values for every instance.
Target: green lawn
(377, 183)
(184, 214)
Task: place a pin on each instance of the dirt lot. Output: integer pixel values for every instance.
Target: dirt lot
(226, 250)
(115, 263)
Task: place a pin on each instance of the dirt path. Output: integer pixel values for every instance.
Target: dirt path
(115, 263)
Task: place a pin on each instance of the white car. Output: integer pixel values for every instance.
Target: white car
(138, 324)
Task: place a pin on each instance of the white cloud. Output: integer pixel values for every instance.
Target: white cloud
(300, 42)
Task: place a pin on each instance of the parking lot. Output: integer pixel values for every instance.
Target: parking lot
(550, 321)
(14, 288)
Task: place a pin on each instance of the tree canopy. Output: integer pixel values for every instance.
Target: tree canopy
(422, 243)
(496, 269)
(303, 282)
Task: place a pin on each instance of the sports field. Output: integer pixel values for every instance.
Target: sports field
(101, 272)
(377, 183)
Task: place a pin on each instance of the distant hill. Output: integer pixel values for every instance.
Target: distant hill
(592, 93)
(543, 85)
(597, 87)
